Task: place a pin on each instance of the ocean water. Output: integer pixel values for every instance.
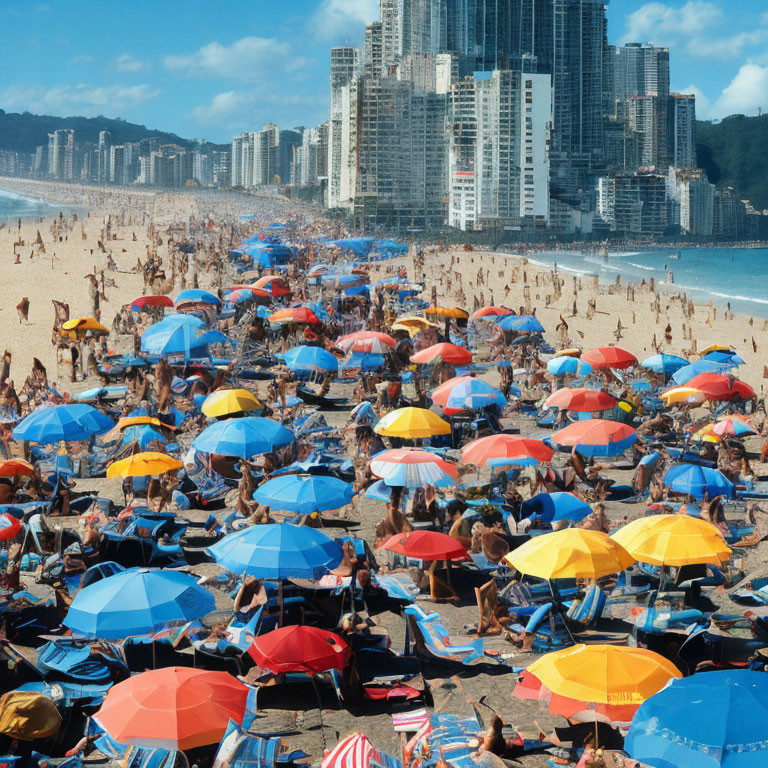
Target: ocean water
(738, 276)
(15, 206)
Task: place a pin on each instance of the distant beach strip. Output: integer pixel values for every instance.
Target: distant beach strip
(15, 206)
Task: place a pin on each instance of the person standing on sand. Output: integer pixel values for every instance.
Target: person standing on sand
(23, 309)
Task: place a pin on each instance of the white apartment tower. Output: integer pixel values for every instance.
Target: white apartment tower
(344, 68)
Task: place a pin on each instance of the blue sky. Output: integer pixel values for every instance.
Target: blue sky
(210, 70)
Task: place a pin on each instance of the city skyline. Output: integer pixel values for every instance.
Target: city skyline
(270, 63)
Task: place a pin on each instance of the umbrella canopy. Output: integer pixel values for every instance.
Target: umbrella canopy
(304, 494)
(683, 395)
(9, 527)
(455, 313)
(730, 426)
(698, 481)
(367, 342)
(28, 716)
(573, 553)
(564, 364)
(179, 334)
(300, 649)
(278, 551)
(144, 464)
(173, 708)
(729, 358)
(684, 375)
(443, 352)
(356, 751)
(198, 296)
(555, 506)
(412, 468)
(666, 364)
(310, 360)
(16, 468)
(614, 680)
(609, 357)
(721, 387)
(77, 327)
(274, 285)
(138, 601)
(246, 437)
(673, 540)
(580, 399)
(59, 423)
(467, 393)
(490, 313)
(412, 424)
(521, 324)
(596, 437)
(426, 545)
(151, 301)
(503, 446)
(295, 315)
(225, 402)
(709, 720)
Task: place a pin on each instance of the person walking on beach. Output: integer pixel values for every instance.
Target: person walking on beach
(23, 309)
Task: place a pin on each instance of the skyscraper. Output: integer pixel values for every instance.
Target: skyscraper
(682, 109)
(61, 154)
(640, 70)
(344, 67)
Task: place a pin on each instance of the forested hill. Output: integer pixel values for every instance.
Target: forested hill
(23, 132)
(734, 153)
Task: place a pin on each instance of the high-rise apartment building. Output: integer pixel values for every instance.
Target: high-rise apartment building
(344, 68)
(682, 130)
(640, 70)
(61, 154)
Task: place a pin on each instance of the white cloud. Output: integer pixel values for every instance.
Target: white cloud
(127, 63)
(336, 19)
(745, 93)
(246, 59)
(68, 100)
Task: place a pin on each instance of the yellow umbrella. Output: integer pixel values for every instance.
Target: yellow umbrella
(604, 674)
(704, 435)
(412, 324)
(574, 553)
(454, 312)
(225, 402)
(143, 464)
(137, 421)
(79, 326)
(412, 423)
(28, 716)
(683, 395)
(573, 352)
(673, 540)
(716, 348)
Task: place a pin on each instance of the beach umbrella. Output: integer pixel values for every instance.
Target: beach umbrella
(28, 716)
(304, 494)
(666, 364)
(305, 359)
(77, 327)
(564, 364)
(57, 423)
(363, 362)
(380, 491)
(443, 353)
(609, 357)
(296, 315)
(413, 324)
(573, 553)
(555, 506)
(277, 551)
(709, 720)
(174, 708)
(684, 375)
(584, 682)
(504, 446)
(138, 421)
(521, 324)
(698, 481)
(300, 649)
(356, 751)
(426, 545)
(730, 426)
(143, 465)
(490, 313)
(412, 468)
(197, 296)
(705, 435)
(367, 342)
(580, 399)
(467, 393)
(179, 334)
(683, 395)
(596, 437)
(274, 285)
(225, 402)
(146, 437)
(138, 601)
(729, 358)
(9, 527)
(239, 296)
(455, 313)
(151, 301)
(16, 468)
(721, 387)
(412, 424)
(246, 437)
(673, 540)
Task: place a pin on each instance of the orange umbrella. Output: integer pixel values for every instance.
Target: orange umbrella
(504, 446)
(580, 399)
(366, 341)
(294, 315)
(16, 468)
(446, 353)
(721, 386)
(490, 313)
(274, 285)
(172, 708)
(609, 357)
(596, 437)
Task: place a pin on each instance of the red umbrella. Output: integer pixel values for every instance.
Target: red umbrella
(503, 446)
(173, 708)
(491, 312)
(596, 437)
(580, 399)
(274, 285)
(366, 341)
(426, 545)
(152, 301)
(16, 468)
(300, 649)
(721, 386)
(9, 527)
(294, 315)
(447, 353)
(609, 357)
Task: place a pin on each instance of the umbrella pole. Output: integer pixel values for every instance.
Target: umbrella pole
(319, 708)
(154, 659)
(280, 601)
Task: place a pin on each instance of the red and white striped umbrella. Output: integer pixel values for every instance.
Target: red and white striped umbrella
(368, 342)
(356, 751)
(413, 468)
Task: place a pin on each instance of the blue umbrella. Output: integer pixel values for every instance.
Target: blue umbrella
(555, 506)
(62, 422)
(684, 375)
(138, 601)
(115, 391)
(380, 491)
(709, 720)
(473, 394)
(198, 295)
(729, 359)
(565, 364)
(245, 437)
(666, 364)
(239, 296)
(310, 359)
(697, 481)
(363, 361)
(304, 493)
(521, 324)
(144, 435)
(179, 335)
(278, 551)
